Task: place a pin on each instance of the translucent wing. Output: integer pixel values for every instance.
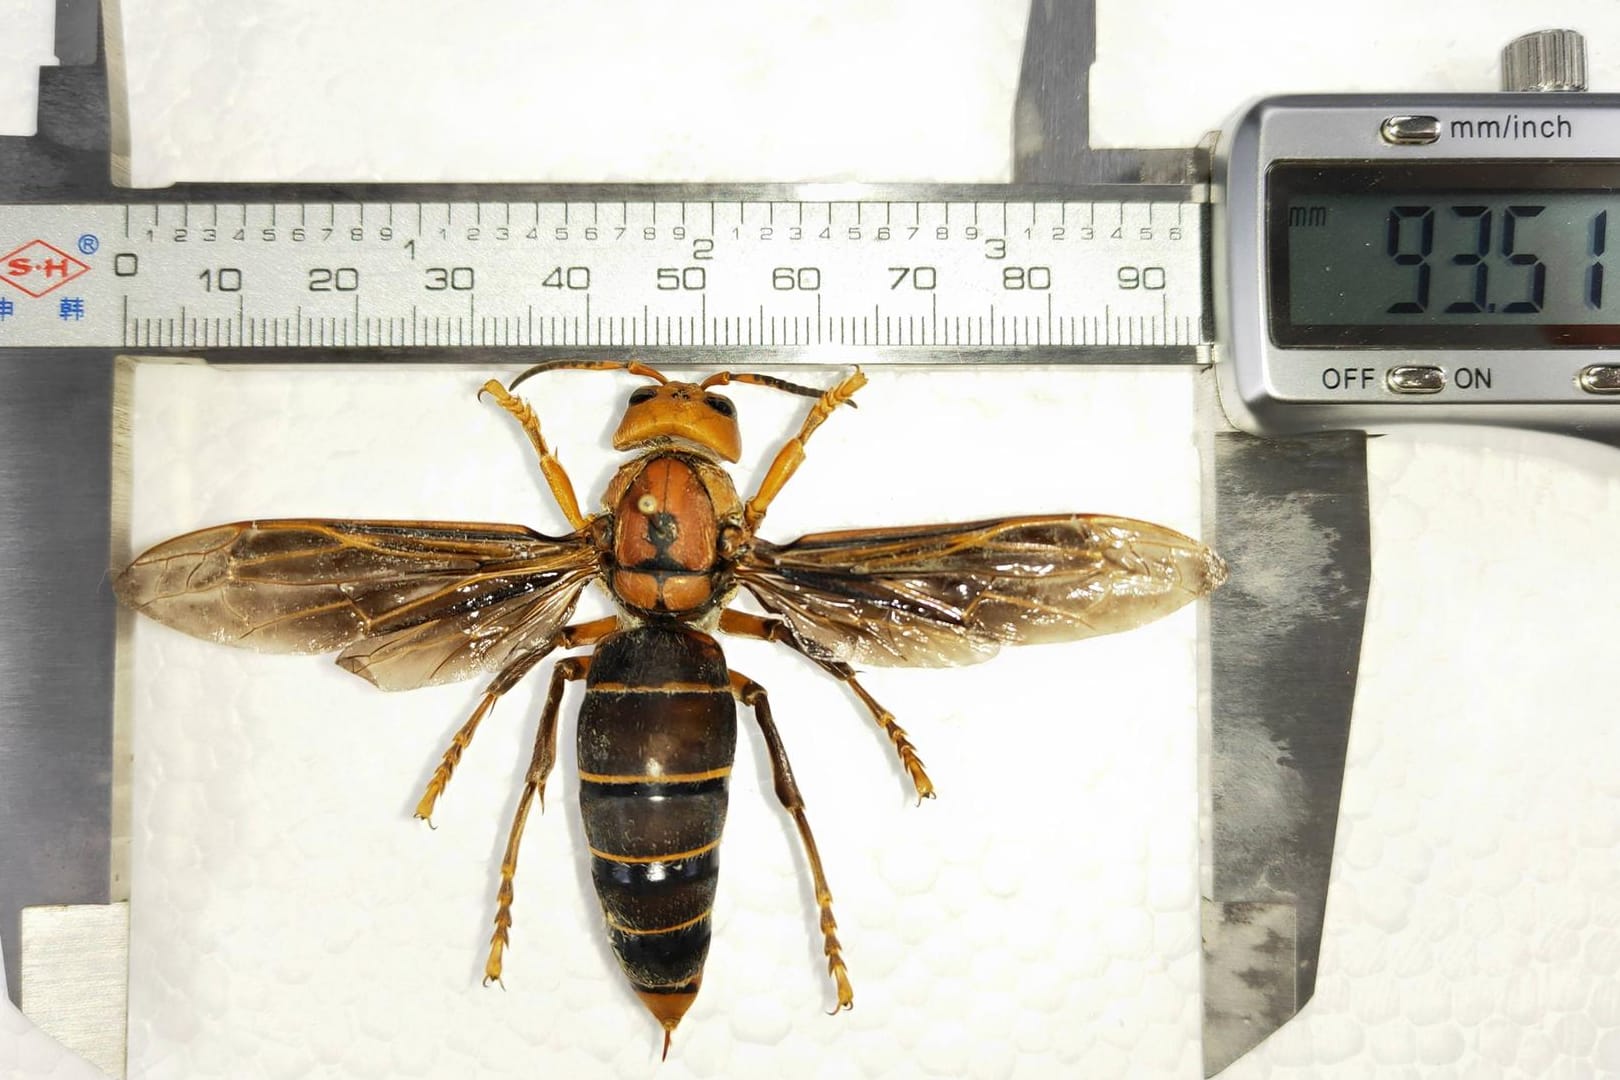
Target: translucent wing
(412, 603)
(936, 595)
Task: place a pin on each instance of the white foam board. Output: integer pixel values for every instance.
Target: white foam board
(288, 915)
(1170, 71)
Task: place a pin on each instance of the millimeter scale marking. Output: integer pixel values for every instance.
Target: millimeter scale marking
(943, 274)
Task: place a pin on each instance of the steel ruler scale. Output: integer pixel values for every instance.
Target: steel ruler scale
(969, 270)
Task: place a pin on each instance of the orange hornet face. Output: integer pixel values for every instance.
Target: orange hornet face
(683, 411)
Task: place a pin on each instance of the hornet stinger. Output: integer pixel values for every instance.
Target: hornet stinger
(416, 603)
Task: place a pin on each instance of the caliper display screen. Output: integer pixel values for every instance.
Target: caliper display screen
(1457, 254)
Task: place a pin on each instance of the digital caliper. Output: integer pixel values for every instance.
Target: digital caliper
(1431, 258)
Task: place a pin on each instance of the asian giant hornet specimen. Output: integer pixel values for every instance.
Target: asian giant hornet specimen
(416, 603)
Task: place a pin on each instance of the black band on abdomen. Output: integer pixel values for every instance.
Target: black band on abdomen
(668, 960)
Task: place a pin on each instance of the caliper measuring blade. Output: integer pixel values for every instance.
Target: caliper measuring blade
(1290, 515)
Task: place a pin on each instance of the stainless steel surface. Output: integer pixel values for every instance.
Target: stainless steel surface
(1052, 114)
(1546, 60)
(983, 269)
(56, 646)
(1284, 641)
(1410, 130)
(77, 31)
(1415, 379)
(1266, 388)
(75, 978)
(1600, 379)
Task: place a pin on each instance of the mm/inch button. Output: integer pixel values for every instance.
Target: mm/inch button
(1600, 379)
(1410, 130)
(1415, 379)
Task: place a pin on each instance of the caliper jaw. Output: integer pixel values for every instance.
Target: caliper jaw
(1290, 516)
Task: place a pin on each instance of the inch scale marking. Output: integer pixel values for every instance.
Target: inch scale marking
(1053, 275)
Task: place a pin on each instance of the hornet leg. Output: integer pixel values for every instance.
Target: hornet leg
(791, 456)
(570, 637)
(545, 756)
(752, 694)
(562, 488)
(745, 624)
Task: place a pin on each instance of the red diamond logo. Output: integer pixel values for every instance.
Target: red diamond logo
(36, 268)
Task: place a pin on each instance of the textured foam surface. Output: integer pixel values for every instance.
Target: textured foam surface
(289, 916)
(24, 47)
(703, 90)
(1167, 72)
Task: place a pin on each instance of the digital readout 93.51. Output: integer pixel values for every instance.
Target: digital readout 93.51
(1427, 265)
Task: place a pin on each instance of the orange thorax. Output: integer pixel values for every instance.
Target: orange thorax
(666, 531)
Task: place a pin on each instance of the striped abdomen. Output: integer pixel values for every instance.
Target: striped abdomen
(657, 734)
